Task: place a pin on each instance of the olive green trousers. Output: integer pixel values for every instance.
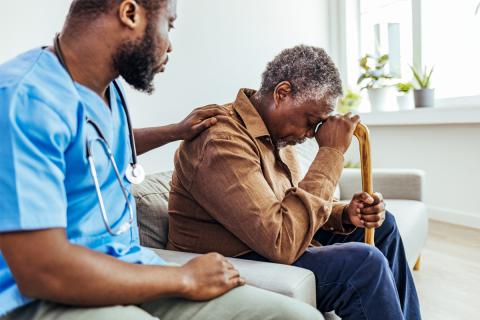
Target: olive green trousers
(243, 303)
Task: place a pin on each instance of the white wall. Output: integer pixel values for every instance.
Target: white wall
(25, 24)
(450, 156)
(219, 47)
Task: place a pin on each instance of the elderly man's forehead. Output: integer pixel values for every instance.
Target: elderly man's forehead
(323, 105)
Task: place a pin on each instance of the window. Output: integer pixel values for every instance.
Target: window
(450, 42)
(442, 34)
(386, 27)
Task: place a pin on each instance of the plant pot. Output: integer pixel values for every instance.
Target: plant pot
(405, 101)
(378, 98)
(424, 98)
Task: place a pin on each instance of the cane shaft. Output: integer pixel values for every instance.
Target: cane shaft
(363, 136)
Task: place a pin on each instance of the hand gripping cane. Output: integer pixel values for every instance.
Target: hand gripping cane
(363, 136)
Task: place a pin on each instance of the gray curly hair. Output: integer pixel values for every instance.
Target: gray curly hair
(310, 71)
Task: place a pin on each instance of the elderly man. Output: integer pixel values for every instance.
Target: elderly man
(64, 252)
(236, 189)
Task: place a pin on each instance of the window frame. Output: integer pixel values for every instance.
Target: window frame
(345, 37)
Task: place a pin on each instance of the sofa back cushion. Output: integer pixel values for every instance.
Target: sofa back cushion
(151, 198)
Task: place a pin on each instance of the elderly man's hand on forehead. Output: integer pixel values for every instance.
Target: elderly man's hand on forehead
(337, 131)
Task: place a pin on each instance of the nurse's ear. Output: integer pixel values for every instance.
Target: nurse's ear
(130, 14)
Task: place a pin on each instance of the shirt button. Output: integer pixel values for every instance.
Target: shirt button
(331, 229)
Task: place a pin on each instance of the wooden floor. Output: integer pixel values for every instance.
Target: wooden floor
(448, 281)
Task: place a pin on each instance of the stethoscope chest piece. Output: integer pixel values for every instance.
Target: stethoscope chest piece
(135, 173)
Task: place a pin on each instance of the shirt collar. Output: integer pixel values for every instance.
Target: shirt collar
(247, 112)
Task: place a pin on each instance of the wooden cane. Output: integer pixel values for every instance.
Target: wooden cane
(363, 136)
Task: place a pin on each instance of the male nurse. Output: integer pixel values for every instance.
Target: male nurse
(68, 235)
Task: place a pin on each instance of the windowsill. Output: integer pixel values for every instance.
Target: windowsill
(426, 116)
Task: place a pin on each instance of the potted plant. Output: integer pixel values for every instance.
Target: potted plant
(374, 79)
(424, 95)
(405, 97)
(349, 102)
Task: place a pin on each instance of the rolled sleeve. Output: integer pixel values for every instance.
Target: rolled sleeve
(32, 170)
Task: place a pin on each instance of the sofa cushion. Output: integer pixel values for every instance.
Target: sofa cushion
(152, 209)
(412, 221)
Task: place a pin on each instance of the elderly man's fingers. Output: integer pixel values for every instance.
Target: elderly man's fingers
(377, 197)
(363, 197)
(379, 207)
(372, 217)
(373, 225)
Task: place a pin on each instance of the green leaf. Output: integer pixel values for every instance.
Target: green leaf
(427, 85)
(364, 62)
(362, 77)
(416, 76)
(404, 87)
(382, 61)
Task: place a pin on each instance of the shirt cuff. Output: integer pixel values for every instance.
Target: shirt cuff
(335, 221)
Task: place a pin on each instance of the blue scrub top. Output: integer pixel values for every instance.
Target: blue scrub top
(45, 180)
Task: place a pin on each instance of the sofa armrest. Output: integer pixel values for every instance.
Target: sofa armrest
(405, 184)
(288, 280)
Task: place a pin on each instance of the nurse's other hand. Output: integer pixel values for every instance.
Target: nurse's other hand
(209, 276)
(197, 121)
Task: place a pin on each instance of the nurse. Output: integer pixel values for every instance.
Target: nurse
(68, 235)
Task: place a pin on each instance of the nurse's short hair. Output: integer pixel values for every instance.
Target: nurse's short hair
(94, 8)
(310, 71)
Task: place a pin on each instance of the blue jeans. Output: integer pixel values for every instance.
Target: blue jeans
(359, 281)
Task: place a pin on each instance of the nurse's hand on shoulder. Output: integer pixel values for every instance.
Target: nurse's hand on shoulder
(366, 211)
(197, 121)
(209, 276)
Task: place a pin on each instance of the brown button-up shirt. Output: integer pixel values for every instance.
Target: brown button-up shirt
(233, 191)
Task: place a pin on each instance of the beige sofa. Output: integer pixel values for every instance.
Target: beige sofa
(402, 190)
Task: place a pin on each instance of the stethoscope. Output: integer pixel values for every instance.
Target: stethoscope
(135, 173)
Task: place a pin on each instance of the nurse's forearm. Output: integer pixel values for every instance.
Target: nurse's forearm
(47, 267)
(147, 139)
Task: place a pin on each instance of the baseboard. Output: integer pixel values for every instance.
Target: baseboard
(466, 219)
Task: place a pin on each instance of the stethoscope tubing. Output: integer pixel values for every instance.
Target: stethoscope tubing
(61, 58)
(103, 142)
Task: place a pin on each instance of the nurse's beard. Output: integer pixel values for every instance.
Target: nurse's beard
(136, 61)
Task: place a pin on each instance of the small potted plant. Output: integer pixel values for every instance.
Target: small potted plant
(424, 95)
(374, 80)
(349, 102)
(405, 97)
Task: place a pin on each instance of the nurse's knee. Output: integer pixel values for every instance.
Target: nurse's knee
(262, 304)
(291, 309)
(113, 312)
